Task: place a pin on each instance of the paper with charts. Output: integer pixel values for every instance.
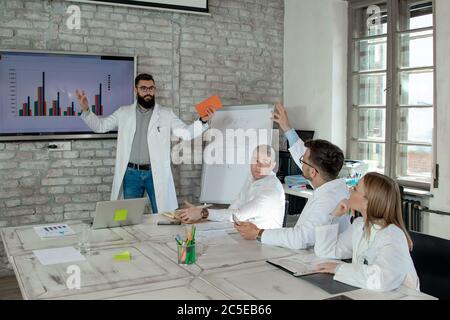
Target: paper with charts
(54, 231)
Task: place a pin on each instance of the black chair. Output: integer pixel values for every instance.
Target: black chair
(286, 210)
(286, 166)
(431, 257)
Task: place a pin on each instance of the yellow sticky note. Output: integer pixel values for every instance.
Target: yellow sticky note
(123, 256)
(120, 215)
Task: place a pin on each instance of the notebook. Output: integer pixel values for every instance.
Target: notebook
(340, 297)
(297, 265)
(326, 282)
(213, 102)
(303, 266)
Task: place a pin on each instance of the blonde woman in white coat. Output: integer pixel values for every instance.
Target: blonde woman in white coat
(378, 243)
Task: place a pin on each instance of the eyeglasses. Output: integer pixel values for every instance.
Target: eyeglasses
(147, 89)
(303, 162)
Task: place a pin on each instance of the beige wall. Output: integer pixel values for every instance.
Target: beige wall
(315, 67)
(440, 225)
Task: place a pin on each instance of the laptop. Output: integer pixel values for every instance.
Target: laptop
(118, 213)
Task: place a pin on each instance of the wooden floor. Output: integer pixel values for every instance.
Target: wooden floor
(9, 289)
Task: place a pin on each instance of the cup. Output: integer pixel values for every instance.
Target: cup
(186, 253)
(84, 239)
(200, 248)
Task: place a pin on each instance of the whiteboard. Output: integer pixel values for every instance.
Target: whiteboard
(222, 182)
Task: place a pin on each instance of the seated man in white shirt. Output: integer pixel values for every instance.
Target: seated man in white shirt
(321, 162)
(260, 201)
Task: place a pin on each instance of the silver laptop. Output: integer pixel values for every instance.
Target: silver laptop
(118, 213)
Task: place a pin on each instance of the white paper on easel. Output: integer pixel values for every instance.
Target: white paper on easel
(58, 255)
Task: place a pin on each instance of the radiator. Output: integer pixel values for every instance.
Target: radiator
(412, 215)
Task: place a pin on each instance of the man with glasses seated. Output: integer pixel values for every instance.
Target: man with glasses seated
(143, 144)
(321, 162)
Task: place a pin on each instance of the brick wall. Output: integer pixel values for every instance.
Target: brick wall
(236, 52)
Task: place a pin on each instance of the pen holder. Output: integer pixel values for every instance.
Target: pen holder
(186, 254)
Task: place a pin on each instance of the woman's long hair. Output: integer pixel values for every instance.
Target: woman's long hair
(384, 203)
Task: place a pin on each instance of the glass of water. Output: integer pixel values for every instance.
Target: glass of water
(84, 239)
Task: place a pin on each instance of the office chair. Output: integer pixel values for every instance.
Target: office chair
(431, 257)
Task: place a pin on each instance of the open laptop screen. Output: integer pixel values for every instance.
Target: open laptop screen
(118, 213)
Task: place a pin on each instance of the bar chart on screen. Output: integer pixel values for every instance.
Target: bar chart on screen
(38, 91)
(41, 108)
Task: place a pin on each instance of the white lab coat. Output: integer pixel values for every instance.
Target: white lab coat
(162, 125)
(383, 264)
(260, 201)
(315, 213)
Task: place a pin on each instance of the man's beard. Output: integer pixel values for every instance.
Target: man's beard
(146, 104)
(307, 176)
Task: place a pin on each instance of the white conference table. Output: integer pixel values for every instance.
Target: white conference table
(229, 271)
(298, 193)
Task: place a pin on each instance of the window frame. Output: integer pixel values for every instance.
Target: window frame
(393, 70)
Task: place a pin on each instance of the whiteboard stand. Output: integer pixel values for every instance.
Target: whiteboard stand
(221, 183)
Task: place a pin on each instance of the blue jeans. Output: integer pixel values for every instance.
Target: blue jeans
(136, 182)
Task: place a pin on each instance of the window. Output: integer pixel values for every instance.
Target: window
(391, 86)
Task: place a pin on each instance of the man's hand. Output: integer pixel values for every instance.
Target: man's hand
(210, 111)
(280, 116)
(248, 230)
(327, 267)
(190, 214)
(82, 100)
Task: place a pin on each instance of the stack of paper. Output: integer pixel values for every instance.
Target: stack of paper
(59, 255)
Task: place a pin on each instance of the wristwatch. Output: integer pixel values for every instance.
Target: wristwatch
(258, 237)
(205, 213)
(204, 122)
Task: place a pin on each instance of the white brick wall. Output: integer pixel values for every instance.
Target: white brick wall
(237, 52)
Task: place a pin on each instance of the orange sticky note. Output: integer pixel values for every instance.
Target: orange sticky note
(213, 102)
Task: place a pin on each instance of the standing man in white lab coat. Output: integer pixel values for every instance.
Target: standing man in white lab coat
(260, 201)
(143, 144)
(321, 162)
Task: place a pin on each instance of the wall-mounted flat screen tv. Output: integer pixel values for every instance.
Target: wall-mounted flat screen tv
(37, 92)
(196, 6)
